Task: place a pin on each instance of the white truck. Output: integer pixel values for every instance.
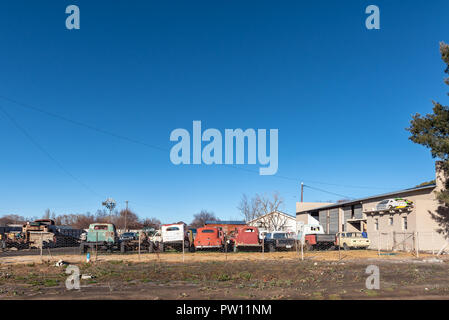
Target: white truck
(175, 236)
(314, 237)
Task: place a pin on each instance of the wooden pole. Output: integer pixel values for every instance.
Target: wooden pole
(417, 244)
(339, 246)
(139, 244)
(183, 245)
(378, 244)
(42, 245)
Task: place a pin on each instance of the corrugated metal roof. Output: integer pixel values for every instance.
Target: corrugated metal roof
(225, 222)
(350, 202)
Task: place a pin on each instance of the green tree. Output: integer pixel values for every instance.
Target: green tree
(432, 131)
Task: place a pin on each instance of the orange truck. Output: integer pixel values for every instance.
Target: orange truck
(245, 237)
(209, 238)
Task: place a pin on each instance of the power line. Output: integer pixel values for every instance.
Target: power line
(325, 191)
(44, 151)
(81, 124)
(128, 139)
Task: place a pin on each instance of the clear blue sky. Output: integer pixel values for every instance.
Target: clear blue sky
(339, 94)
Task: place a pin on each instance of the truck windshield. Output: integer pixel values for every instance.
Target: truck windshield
(101, 227)
(280, 236)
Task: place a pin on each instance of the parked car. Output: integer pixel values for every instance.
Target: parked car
(175, 236)
(245, 237)
(102, 236)
(209, 238)
(350, 240)
(397, 203)
(278, 240)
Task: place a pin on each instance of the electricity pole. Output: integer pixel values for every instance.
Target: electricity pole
(126, 213)
(302, 191)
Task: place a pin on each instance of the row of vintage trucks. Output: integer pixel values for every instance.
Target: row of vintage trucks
(178, 237)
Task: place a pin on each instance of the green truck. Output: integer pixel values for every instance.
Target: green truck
(101, 236)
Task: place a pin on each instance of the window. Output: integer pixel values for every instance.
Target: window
(390, 221)
(376, 224)
(101, 227)
(279, 236)
(172, 229)
(404, 223)
(208, 231)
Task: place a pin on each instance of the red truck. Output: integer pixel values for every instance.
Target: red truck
(209, 238)
(245, 237)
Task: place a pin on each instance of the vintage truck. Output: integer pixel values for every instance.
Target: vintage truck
(209, 238)
(101, 236)
(315, 238)
(176, 236)
(245, 237)
(278, 240)
(147, 239)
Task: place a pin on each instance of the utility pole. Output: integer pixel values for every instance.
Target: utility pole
(302, 191)
(126, 213)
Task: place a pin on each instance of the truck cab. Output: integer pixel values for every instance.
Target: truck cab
(175, 235)
(245, 237)
(209, 238)
(101, 235)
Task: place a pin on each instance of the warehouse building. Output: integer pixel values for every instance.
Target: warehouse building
(406, 228)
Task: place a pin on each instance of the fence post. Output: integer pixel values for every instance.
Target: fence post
(433, 244)
(302, 250)
(96, 246)
(339, 246)
(139, 246)
(183, 245)
(417, 244)
(378, 244)
(42, 245)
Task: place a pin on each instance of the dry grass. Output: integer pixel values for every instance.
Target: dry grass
(216, 256)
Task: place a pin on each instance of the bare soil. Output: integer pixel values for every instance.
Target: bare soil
(250, 275)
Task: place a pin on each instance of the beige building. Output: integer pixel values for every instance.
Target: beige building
(393, 229)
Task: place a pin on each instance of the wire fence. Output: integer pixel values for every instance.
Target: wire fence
(55, 246)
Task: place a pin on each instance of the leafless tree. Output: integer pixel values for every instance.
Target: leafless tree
(200, 218)
(259, 205)
(151, 223)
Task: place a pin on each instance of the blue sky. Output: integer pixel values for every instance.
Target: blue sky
(339, 94)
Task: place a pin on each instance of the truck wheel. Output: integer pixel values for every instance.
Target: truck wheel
(151, 247)
(271, 248)
(83, 248)
(192, 249)
(236, 249)
(161, 246)
(122, 247)
(345, 246)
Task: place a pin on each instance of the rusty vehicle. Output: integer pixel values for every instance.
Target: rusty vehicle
(209, 238)
(245, 238)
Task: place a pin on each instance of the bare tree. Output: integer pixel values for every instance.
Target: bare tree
(200, 218)
(259, 205)
(151, 223)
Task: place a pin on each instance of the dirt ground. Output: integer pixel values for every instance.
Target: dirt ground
(206, 275)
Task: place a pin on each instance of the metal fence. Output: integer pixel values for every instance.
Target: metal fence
(415, 242)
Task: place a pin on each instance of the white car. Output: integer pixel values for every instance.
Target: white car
(388, 204)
